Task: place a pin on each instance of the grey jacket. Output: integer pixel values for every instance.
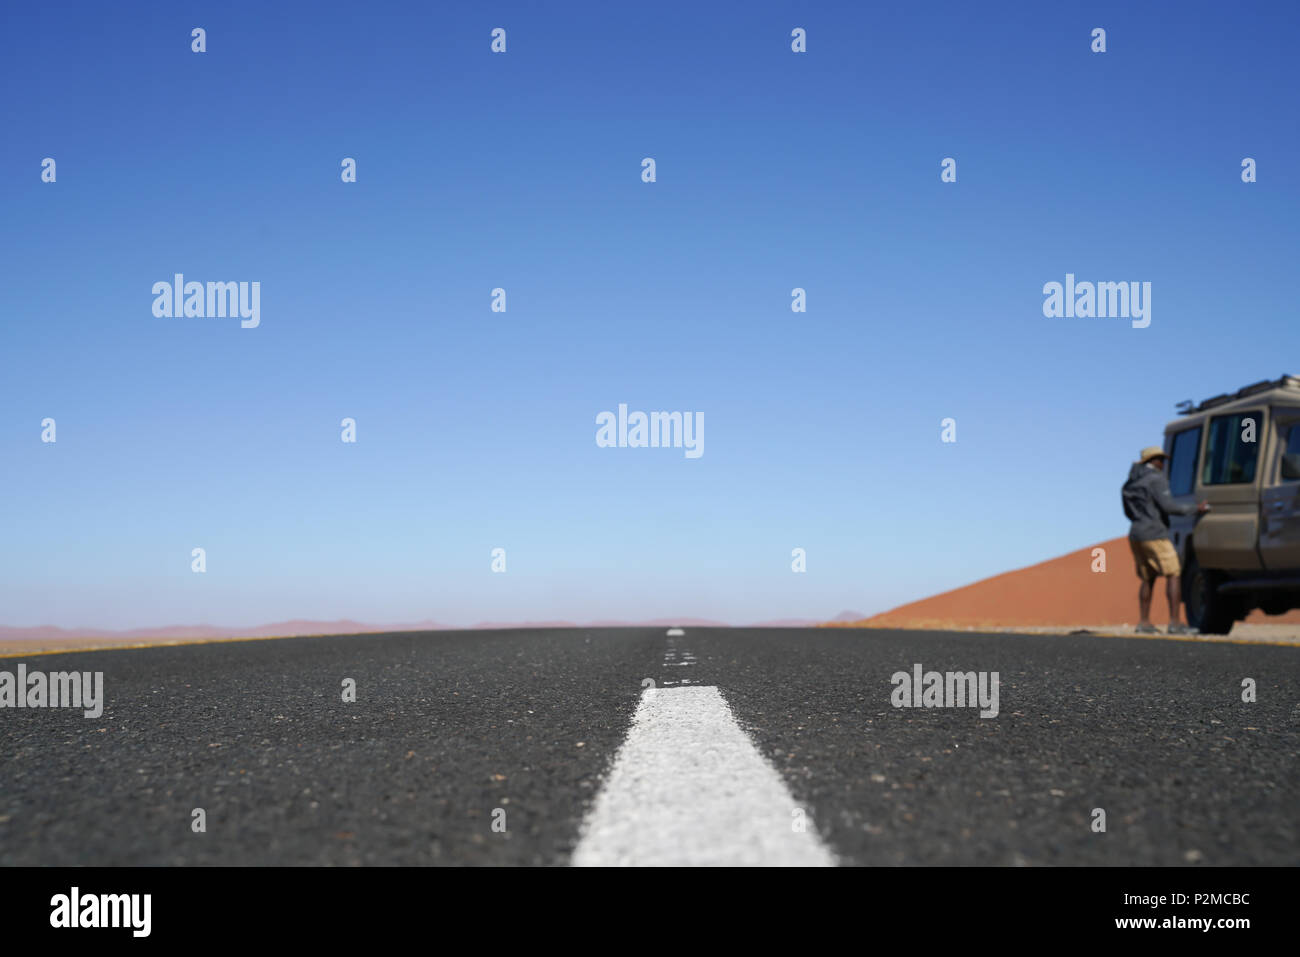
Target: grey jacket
(1148, 503)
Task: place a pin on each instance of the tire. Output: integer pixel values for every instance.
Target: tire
(1207, 611)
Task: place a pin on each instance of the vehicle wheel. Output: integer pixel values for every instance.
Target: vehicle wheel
(1207, 611)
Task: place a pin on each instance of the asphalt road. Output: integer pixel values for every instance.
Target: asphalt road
(450, 729)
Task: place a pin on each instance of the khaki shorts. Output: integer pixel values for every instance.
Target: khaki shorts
(1155, 558)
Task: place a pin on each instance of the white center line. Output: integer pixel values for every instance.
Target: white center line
(688, 787)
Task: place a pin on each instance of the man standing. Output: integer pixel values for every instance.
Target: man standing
(1148, 504)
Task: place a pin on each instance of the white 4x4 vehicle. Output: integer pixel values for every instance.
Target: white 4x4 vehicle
(1241, 453)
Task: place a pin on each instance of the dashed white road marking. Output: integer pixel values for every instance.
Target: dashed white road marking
(671, 660)
(688, 787)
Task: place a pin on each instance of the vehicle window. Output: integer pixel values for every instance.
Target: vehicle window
(1229, 458)
(1182, 460)
(1291, 453)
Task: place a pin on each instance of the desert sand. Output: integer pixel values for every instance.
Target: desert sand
(1058, 596)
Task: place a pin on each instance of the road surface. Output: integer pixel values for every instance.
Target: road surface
(753, 746)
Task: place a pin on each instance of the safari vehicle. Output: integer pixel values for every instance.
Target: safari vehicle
(1241, 453)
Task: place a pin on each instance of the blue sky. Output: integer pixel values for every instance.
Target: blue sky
(522, 170)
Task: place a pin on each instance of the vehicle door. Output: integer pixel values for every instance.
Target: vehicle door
(1228, 536)
(1279, 500)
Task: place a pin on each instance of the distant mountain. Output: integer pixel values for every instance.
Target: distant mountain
(849, 616)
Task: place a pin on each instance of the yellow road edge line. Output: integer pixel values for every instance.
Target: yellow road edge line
(1194, 639)
(182, 641)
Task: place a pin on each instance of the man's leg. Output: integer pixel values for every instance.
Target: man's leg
(1174, 592)
(1146, 571)
(1144, 603)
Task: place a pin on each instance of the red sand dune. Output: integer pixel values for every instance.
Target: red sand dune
(1063, 592)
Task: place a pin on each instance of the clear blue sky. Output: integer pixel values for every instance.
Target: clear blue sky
(475, 170)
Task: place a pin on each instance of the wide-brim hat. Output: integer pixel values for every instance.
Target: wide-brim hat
(1151, 452)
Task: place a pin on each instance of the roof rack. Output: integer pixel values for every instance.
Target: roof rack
(1285, 382)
